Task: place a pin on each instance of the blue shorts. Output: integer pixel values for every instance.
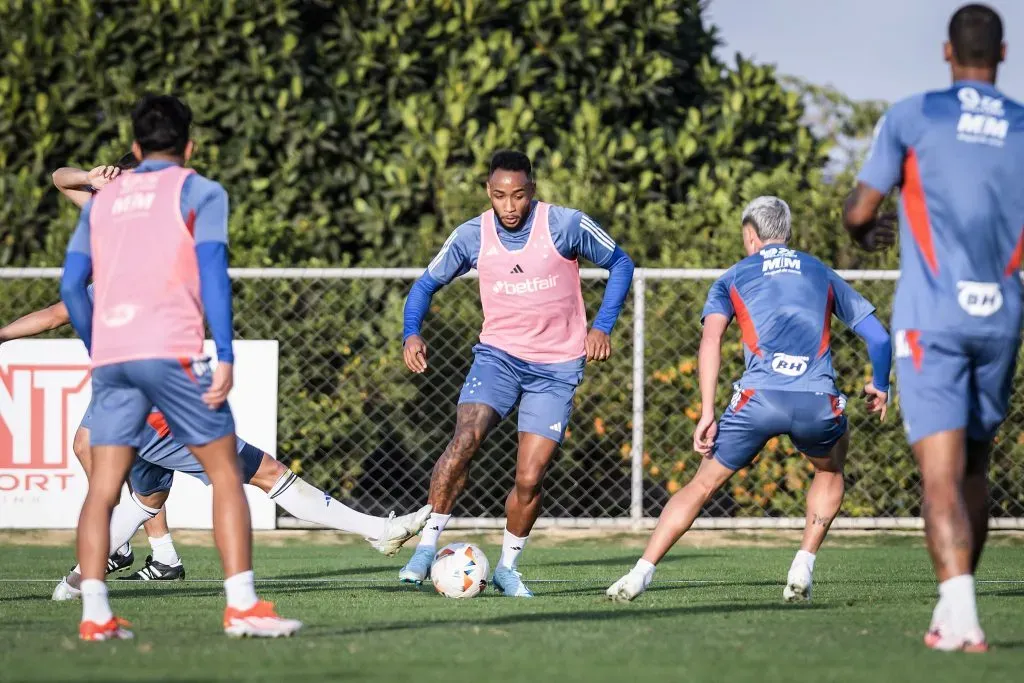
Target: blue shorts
(157, 462)
(544, 391)
(125, 393)
(815, 423)
(951, 381)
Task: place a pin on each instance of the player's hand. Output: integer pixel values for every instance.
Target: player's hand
(223, 380)
(704, 435)
(881, 234)
(598, 345)
(101, 175)
(878, 401)
(416, 354)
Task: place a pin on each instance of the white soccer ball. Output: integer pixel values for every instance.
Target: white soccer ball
(460, 570)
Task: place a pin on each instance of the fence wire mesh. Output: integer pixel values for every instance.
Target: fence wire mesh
(356, 423)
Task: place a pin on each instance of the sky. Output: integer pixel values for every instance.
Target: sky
(868, 49)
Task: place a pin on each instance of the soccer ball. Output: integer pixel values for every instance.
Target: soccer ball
(460, 571)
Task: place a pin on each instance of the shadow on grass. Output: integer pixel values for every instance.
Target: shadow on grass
(611, 613)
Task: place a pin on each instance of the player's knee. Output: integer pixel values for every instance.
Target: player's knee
(529, 482)
(268, 474)
(80, 446)
(465, 443)
(155, 500)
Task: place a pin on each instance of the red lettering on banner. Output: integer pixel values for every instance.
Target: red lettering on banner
(33, 414)
(41, 480)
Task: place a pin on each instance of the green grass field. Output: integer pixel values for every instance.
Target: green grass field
(714, 614)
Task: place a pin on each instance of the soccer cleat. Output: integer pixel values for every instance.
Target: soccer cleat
(798, 584)
(400, 529)
(628, 587)
(118, 562)
(65, 591)
(112, 630)
(157, 571)
(259, 621)
(973, 641)
(510, 583)
(937, 626)
(417, 569)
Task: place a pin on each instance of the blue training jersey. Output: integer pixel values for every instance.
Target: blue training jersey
(958, 157)
(574, 233)
(783, 301)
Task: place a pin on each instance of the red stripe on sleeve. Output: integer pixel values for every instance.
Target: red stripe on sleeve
(747, 329)
(826, 330)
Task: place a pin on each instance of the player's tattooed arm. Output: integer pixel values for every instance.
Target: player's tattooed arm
(36, 322)
(472, 424)
(861, 219)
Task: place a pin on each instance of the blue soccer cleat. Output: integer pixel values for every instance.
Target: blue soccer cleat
(510, 582)
(417, 569)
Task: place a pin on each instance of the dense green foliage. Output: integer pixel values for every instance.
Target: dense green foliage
(359, 133)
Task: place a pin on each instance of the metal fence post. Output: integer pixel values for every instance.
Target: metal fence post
(636, 506)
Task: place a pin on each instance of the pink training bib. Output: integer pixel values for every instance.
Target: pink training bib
(147, 302)
(532, 300)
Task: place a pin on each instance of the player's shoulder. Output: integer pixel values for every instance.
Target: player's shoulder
(468, 229)
(200, 182)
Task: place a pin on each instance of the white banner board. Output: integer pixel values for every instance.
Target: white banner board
(44, 391)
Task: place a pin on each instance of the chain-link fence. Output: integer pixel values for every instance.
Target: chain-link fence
(355, 422)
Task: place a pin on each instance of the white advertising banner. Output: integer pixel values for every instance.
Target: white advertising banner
(44, 391)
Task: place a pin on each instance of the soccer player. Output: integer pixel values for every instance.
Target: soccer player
(79, 185)
(153, 470)
(958, 156)
(532, 349)
(152, 473)
(783, 301)
(156, 240)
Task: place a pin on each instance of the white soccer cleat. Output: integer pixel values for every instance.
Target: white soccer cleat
(628, 587)
(259, 621)
(400, 529)
(798, 584)
(65, 591)
(944, 641)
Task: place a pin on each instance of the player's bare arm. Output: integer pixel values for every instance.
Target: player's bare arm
(861, 219)
(36, 322)
(709, 361)
(77, 184)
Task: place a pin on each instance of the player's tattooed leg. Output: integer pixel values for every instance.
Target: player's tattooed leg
(473, 422)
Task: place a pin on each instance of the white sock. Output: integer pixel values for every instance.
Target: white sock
(240, 591)
(646, 568)
(806, 558)
(957, 596)
(126, 519)
(95, 607)
(432, 531)
(163, 551)
(511, 548)
(310, 504)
